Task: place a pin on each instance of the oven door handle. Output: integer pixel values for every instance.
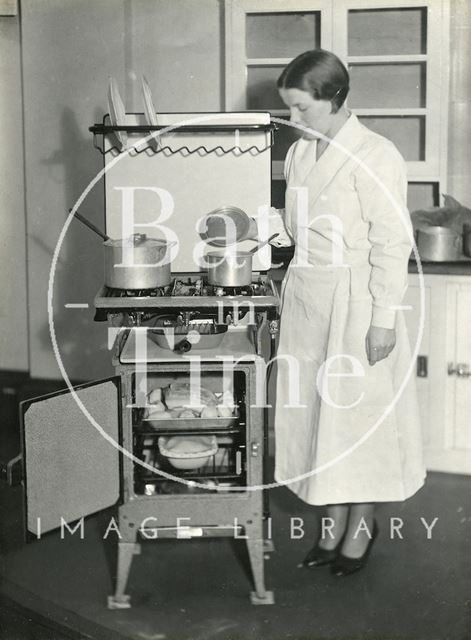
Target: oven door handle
(12, 471)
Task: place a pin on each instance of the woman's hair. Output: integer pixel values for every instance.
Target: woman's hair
(320, 73)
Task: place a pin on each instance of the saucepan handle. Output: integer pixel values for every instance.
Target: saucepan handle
(260, 245)
(90, 225)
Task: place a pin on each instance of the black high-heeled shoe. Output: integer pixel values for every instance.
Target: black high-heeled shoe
(345, 566)
(318, 557)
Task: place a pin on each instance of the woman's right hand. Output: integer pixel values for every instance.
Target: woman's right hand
(379, 343)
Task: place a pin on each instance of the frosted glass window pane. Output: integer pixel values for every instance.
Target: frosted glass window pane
(284, 138)
(387, 85)
(407, 133)
(387, 31)
(262, 92)
(422, 195)
(281, 35)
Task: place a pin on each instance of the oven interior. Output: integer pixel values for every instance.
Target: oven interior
(225, 469)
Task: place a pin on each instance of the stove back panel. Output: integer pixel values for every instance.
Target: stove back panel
(198, 183)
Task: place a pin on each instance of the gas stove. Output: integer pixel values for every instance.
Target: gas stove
(191, 291)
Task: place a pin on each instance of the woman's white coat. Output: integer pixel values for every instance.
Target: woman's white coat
(345, 431)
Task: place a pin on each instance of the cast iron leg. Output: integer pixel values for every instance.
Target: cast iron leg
(126, 550)
(255, 548)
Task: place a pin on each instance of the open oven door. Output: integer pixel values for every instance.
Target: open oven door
(70, 469)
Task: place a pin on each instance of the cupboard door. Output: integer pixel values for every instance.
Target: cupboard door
(458, 432)
(444, 396)
(422, 371)
(71, 469)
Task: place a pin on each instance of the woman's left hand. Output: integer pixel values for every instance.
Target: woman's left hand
(379, 343)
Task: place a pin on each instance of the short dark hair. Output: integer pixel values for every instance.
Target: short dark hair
(320, 73)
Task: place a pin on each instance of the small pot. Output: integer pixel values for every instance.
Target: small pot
(232, 269)
(439, 244)
(137, 262)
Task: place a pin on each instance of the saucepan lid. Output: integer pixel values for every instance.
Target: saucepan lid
(225, 226)
(138, 240)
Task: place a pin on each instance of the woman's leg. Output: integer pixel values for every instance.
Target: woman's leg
(334, 528)
(361, 516)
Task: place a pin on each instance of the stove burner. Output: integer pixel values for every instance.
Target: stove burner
(191, 287)
(189, 291)
(232, 291)
(199, 287)
(158, 292)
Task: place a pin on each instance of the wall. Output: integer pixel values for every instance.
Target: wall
(177, 46)
(13, 311)
(69, 51)
(459, 150)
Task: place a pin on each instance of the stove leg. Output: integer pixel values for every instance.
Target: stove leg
(255, 544)
(126, 551)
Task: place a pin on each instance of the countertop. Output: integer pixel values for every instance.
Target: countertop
(456, 268)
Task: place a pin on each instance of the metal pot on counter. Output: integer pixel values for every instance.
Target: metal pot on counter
(137, 262)
(467, 239)
(439, 244)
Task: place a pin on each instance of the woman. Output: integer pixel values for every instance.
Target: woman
(346, 213)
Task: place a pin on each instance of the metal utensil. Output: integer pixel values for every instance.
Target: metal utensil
(90, 225)
(150, 112)
(117, 112)
(263, 244)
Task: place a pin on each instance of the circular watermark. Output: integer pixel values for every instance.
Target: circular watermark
(194, 483)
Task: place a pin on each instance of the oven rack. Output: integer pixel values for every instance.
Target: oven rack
(212, 470)
(182, 431)
(151, 149)
(193, 474)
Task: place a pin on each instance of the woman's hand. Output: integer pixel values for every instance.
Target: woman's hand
(252, 233)
(379, 343)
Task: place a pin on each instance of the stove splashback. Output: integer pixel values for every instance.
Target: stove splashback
(198, 182)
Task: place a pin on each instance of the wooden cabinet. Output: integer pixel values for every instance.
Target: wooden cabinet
(444, 360)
